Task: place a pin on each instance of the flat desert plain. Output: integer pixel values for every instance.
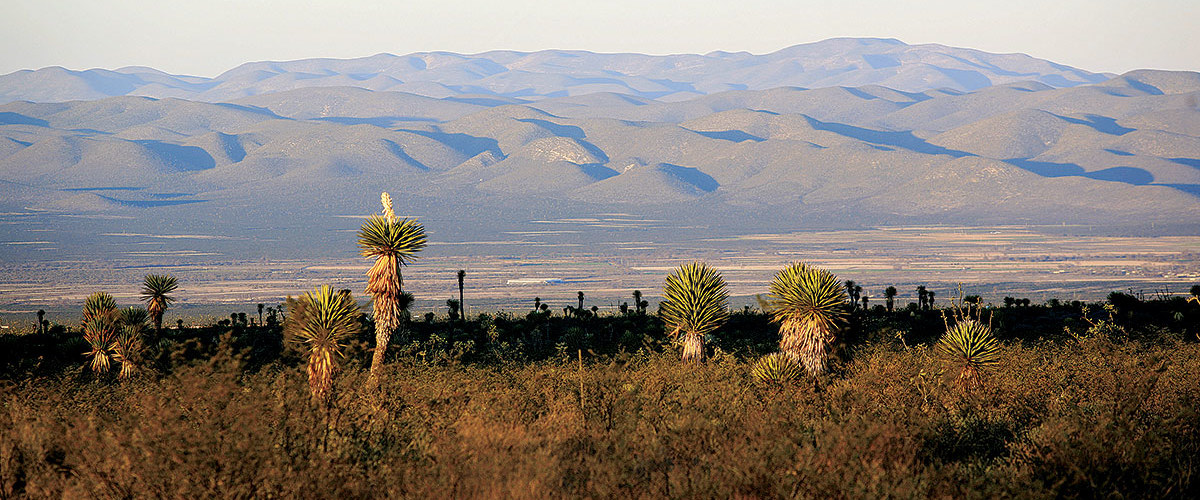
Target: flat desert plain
(507, 272)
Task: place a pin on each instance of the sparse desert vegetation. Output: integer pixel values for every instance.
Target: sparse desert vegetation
(871, 270)
(1068, 400)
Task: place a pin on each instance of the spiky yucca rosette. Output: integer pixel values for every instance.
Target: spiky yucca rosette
(971, 346)
(323, 320)
(392, 243)
(126, 350)
(809, 305)
(99, 329)
(776, 368)
(127, 344)
(694, 305)
(99, 332)
(155, 288)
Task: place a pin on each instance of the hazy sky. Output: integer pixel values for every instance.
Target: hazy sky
(206, 37)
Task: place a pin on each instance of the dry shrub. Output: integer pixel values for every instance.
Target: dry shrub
(1053, 419)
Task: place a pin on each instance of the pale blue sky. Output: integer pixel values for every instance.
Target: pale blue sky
(206, 37)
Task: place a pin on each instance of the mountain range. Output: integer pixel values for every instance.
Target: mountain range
(844, 62)
(846, 132)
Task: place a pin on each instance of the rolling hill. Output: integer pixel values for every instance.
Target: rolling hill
(252, 151)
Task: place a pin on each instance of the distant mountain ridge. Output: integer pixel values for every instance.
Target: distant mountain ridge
(844, 62)
(1127, 147)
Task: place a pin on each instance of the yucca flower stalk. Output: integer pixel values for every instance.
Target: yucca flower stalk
(694, 305)
(809, 304)
(393, 243)
(776, 368)
(155, 288)
(323, 320)
(970, 346)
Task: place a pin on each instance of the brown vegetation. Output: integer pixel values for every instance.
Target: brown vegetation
(500, 407)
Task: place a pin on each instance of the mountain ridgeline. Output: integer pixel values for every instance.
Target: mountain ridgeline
(846, 62)
(845, 132)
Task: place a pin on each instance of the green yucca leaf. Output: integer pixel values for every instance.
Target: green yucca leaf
(694, 300)
(100, 332)
(133, 316)
(971, 345)
(155, 288)
(323, 320)
(400, 239)
(802, 293)
(99, 304)
(776, 368)
(809, 304)
(127, 346)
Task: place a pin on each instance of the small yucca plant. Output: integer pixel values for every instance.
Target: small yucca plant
(323, 320)
(694, 305)
(100, 332)
(126, 349)
(810, 306)
(99, 329)
(776, 368)
(127, 345)
(99, 304)
(972, 348)
(393, 243)
(155, 288)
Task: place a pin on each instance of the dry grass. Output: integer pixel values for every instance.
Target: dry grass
(459, 416)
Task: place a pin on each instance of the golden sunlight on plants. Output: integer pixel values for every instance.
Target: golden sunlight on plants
(323, 321)
(393, 243)
(776, 368)
(695, 304)
(810, 306)
(127, 347)
(99, 329)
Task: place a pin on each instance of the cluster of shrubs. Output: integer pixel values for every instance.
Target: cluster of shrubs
(1085, 400)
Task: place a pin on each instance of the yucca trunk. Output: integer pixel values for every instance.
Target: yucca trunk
(384, 285)
(156, 309)
(321, 367)
(693, 347)
(969, 378)
(806, 343)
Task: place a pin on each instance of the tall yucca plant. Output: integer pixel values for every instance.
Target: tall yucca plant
(971, 346)
(323, 320)
(99, 329)
(810, 306)
(393, 243)
(694, 304)
(155, 288)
